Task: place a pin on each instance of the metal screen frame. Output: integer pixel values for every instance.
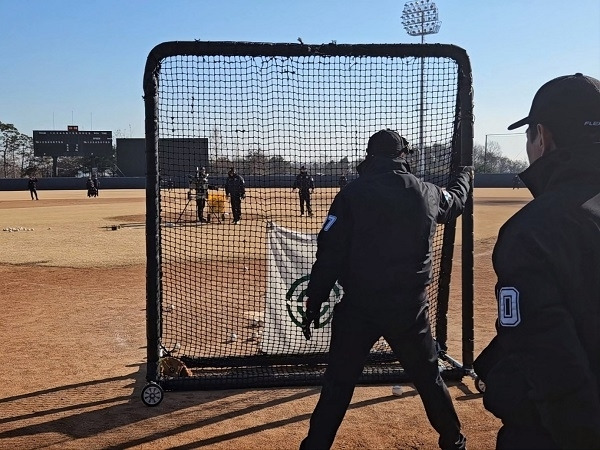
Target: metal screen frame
(463, 141)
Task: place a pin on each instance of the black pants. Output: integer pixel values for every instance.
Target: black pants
(352, 338)
(305, 199)
(200, 205)
(236, 207)
(33, 193)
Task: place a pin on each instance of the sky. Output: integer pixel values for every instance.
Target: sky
(81, 62)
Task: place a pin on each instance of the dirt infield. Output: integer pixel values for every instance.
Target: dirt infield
(73, 339)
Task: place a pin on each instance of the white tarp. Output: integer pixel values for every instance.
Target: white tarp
(290, 259)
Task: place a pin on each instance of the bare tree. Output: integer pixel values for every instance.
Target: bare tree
(491, 160)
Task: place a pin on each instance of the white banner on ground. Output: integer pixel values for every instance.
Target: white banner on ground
(290, 259)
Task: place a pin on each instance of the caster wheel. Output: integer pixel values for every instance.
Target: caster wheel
(479, 385)
(152, 394)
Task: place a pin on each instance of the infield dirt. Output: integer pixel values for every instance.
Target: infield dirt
(73, 339)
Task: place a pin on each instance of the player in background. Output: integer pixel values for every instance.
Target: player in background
(343, 181)
(91, 189)
(542, 369)
(516, 182)
(96, 184)
(235, 190)
(199, 184)
(32, 186)
(377, 242)
(306, 186)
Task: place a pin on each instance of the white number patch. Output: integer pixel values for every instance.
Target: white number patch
(329, 222)
(509, 314)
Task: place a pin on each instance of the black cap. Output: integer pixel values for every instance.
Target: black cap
(570, 100)
(387, 143)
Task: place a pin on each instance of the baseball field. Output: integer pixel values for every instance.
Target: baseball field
(73, 339)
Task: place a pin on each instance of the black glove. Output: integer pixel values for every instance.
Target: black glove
(312, 314)
(469, 169)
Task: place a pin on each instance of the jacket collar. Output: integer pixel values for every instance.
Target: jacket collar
(581, 164)
(373, 165)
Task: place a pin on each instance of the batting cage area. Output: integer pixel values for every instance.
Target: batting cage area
(225, 294)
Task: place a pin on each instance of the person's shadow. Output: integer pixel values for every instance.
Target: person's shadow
(91, 409)
(68, 410)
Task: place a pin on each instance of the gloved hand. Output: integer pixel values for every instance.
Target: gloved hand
(312, 314)
(469, 169)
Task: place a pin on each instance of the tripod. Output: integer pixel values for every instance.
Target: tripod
(190, 197)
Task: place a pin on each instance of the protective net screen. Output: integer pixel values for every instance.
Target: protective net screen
(234, 249)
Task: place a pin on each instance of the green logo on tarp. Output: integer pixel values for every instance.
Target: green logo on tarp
(295, 299)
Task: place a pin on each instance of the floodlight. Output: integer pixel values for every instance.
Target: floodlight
(420, 18)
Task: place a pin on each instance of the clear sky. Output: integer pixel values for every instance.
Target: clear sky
(81, 62)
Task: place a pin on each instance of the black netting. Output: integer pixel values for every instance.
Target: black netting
(229, 295)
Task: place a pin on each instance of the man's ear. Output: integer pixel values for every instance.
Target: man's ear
(547, 143)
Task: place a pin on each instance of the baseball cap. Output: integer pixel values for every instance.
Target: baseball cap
(387, 143)
(572, 100)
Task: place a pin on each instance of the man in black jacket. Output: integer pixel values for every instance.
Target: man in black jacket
(376, 242)
(542, 370)
(306, 186)
(235, 189)
(32, 186)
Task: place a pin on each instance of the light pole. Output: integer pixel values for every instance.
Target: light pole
(419, 18)
(237, 134)
(485, 147)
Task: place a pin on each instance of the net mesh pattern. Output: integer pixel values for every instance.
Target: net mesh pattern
(225, 308)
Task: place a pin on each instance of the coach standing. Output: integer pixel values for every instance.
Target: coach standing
(542, 370)
(306, 186)
(376, 241)
(32, 186)
(235, 189)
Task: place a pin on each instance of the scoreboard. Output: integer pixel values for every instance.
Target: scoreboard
(72, 143)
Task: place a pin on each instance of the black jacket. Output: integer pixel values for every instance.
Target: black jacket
(304, 183)
(235, 186)
(543, 367)
(201, 186)
(376, 240)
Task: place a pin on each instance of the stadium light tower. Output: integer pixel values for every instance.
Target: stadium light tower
(419, 18)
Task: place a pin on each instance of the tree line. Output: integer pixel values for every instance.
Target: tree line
(17, 160)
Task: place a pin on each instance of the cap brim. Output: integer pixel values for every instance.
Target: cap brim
(519, 124)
